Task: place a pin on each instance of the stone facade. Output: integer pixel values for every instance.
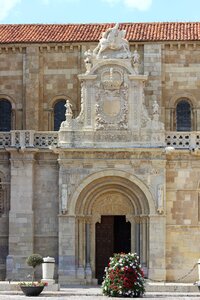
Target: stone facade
(117, 153)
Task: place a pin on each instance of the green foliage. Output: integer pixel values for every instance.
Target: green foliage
(124, 276)
(34, 260)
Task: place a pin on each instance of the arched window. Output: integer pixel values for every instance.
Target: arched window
(5, 115)
(183, 116)
(59, 114)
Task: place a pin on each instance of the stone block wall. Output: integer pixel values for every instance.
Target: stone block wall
(11, 83)
(153, 67)
(181, 79)
(183, 211)
(45, 206)
(3, 245)
(4, 211)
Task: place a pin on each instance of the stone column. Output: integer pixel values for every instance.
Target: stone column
(88, 271)
(157, 242)
(81, 247)
(21, 225)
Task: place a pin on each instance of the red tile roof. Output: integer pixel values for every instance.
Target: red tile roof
(43, 33)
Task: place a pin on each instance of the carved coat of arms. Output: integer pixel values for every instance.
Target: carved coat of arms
(111, 107)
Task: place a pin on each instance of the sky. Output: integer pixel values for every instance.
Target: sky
(97, 11)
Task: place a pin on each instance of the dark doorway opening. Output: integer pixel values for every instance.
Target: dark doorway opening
(113, 235)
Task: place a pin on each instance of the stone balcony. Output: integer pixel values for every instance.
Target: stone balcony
(49, 139)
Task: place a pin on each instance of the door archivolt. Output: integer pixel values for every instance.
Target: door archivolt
(112, 203)
(106, 196)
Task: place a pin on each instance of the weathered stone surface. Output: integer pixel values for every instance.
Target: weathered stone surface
(111, 160)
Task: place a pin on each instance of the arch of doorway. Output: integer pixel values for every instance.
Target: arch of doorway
(81, 195)
(122, 194)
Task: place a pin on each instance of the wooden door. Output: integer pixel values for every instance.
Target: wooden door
(122, 235)
(113, 235)
(104, 244)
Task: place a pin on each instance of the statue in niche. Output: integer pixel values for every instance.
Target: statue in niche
(136, 61)
(113, 39)
(155, 107)
(88, 60)
(160, 204)
(155, 123)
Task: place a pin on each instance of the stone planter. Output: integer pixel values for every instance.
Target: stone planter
(32, 290)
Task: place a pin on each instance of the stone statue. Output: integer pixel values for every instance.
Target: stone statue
(136, 61)
(136, 57)
(113, 39)
(68, 116)
(68, 109)
(88, 60)
(155, 107)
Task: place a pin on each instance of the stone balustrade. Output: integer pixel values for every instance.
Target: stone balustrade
(48, 139)
(28, 138)
(183, 140)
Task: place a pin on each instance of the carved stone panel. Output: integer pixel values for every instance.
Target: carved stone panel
(111, 99)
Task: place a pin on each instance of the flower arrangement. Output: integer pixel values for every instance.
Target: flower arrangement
(33, 283)
(124, 276)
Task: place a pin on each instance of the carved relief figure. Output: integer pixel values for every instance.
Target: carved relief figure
(155, 107)
(113, 39)
(160, 204)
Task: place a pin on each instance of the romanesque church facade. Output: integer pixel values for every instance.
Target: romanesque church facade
(100, 147)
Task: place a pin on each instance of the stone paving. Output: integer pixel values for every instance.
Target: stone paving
(92, 294)
(60, 297)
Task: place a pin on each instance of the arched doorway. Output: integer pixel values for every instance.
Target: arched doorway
(105, 207)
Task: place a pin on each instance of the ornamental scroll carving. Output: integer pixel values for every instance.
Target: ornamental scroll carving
(112, 100)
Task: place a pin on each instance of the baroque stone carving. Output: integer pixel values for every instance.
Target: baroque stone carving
(113, 39)
(111, 98)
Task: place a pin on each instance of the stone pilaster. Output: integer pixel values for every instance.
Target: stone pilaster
(31, 88)
(157, 241)
(21, 213)
(153, 67)
(67, 267)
